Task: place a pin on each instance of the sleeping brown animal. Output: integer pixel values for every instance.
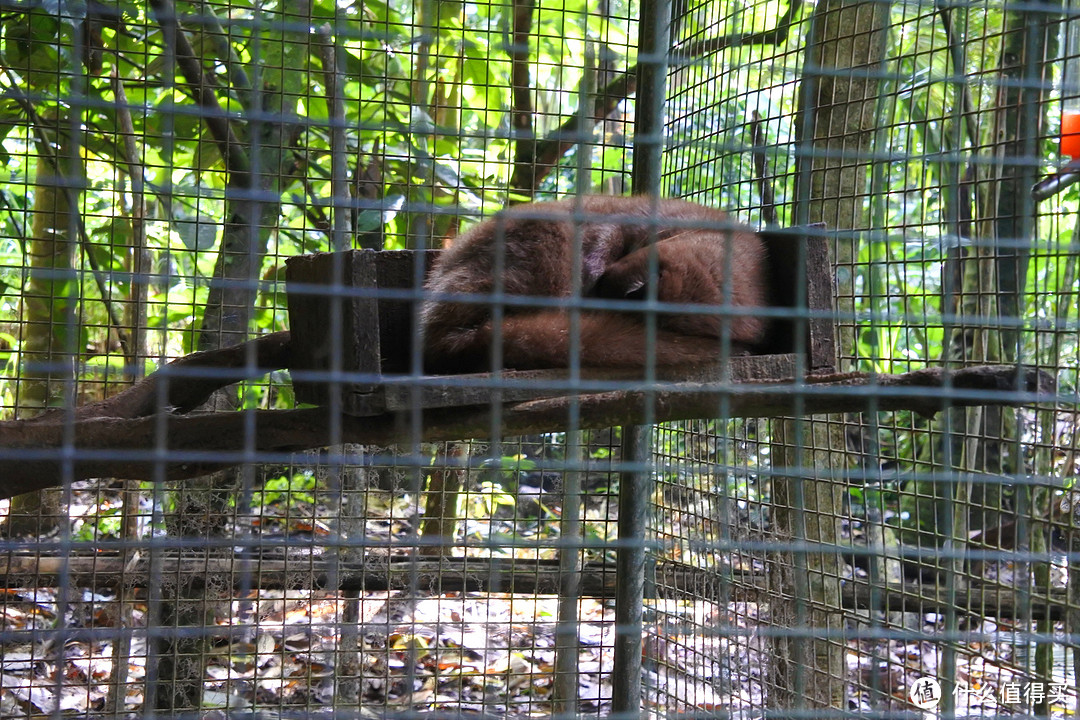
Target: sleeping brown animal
(693, 244)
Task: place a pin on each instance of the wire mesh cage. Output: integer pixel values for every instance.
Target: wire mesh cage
(372, 360)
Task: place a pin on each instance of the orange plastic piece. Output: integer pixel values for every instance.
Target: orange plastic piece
(1070, 133)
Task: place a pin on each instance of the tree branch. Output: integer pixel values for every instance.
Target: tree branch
(195, 444)
(236, 160)
(522, 91)
(341, 233)
(761, 169)
(185, 383)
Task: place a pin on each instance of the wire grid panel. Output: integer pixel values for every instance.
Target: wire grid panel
(923, 560)
(166, 159)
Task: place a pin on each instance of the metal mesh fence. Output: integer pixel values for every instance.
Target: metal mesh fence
(273, 444)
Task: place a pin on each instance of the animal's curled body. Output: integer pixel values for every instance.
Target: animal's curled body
(692, 246)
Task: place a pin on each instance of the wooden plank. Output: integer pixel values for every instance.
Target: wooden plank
(438, 391)
(318, 303)
(396, 269)
(306, 311)
(270, 569)
(783, 249)
(819, 289)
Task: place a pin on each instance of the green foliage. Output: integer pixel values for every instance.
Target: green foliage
(489, 499)
(288, 489)
(505, 472)
(105, 523)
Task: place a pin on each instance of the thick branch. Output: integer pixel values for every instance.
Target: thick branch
(335, 102)
(549, 150)
(200, 443)
(185, 383)
(521, 85)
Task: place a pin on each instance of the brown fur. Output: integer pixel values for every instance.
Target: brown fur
(537, 240)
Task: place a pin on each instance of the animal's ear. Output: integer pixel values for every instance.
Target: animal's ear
(636, 290)
(623, 280)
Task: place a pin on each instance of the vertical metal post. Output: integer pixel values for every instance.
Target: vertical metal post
(565, 704)
(565, 700)
(634, 493)
(654, 44)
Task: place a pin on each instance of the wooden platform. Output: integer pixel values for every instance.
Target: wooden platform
(375, 309)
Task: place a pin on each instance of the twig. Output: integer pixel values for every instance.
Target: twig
(765, 190)
(339, 176)
(140, 262)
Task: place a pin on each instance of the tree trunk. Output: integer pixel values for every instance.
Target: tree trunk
(49, 330)
(203, 505)
(836, 124)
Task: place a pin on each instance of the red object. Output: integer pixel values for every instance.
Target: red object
(1070, 133)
